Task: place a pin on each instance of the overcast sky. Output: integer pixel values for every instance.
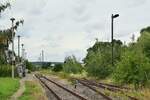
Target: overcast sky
(66, 27)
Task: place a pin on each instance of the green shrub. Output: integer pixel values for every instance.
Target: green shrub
(99, 65)
(30, 66)
(98, 62)
(71, 65)
(6, 70)
(134, 68)
(57, 68)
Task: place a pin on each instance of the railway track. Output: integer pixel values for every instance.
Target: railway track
(109, 87)
(45, 85)
(76, 94)
(46, 81)
(100, 93)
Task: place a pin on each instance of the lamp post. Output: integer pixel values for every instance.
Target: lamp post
(18, 48)
(112, 35)
(22, 50)
(13, 58)
(42, 58)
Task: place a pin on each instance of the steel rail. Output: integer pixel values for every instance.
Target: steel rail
(110, 85)
(106, 97)
(108, 88)
(73, 93)
(58, 98)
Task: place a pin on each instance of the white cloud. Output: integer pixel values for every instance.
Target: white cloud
(65, 27)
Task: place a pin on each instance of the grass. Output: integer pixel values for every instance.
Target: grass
(8, 87)
(63, 74)
(33, 91)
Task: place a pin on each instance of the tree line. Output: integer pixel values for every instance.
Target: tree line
(131, 61)
(5, 40)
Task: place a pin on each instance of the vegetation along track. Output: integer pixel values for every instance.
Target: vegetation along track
(109, 87)
(42, 78)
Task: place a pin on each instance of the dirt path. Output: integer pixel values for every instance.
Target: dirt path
(20, 91)
(29, 77)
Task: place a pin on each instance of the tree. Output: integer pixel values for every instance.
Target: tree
(30, 66)
(71, 65)
(3, 36)
(98, 60)
(57, 67)
(144, 41)
(4, 6)
(134, 67)
(6, 35)
(46, 65)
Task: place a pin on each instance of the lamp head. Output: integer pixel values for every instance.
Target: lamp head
(12, 19)
(115, 16)
(19, 36)
(22, 45)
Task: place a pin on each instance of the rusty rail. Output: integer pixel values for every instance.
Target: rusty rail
(58, 98)
(104, 96)
(108, 88)
(111, 85)
(73, 93)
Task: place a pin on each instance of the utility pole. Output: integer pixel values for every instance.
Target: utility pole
(18, 48)
(13, 58)
(42, 57)
(112, 35)
(22, 51)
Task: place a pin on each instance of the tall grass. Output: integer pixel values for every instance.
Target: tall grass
(5, 71)
(33, 91)
(8, 87)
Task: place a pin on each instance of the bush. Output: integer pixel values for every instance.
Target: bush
(57, 67)
(98, 65)
(46, 65)
(134, 68)
(98, 62)
(6, 70)
(30, 66)
(71, 65)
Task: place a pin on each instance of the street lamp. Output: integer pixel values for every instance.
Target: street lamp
(18, 48)
(13, 58)
(22, 50)
(112, 35)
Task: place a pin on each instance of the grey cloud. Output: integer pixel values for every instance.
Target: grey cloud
(135, 3)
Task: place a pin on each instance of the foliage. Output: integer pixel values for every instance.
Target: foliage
(46, 65)
(134, 68)
(6, 35)
(144, 41)
(71, 65)
(5, 71)
(4, 6)
(98, 62)
(57, 67)
(2, 61)
(30, 66)
(8, 87)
